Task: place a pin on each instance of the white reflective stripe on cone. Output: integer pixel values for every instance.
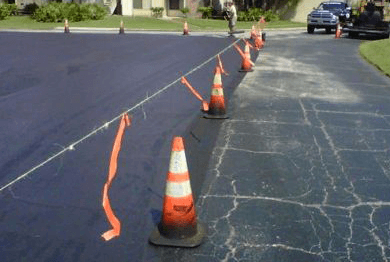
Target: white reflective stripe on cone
(217, 79)
(181, 189)
(178, 163)
(217, 92)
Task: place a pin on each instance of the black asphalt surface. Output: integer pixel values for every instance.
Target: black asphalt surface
(57, 88)
(299, 172)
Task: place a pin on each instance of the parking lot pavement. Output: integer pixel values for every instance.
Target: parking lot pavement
(301, 170)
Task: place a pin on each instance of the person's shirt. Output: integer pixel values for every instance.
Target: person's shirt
(233, 11)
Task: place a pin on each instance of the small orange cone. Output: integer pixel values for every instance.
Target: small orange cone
(178, 226)
(217, 108)
(121, 28)
(246, 65)
(66, 28)
(185, 29)
(338, 31)
(253, 32)
(259, 43)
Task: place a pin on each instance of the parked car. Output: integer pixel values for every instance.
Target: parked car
(327, 15)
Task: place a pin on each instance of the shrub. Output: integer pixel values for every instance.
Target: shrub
(57, 12)
(7, 10)
(30, 8)
(206, 11)
(157, 11)
(254, 14)
(185, 11)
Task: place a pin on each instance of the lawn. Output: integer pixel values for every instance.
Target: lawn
(377, 53)
(25, 22)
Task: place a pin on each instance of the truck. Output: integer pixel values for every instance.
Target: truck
(373, 18)
(327, 15)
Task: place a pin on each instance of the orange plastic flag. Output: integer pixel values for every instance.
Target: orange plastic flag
(114, 221)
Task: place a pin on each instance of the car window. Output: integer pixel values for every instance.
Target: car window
(330, 6)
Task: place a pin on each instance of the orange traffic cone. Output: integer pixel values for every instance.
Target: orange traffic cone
(121, 28)
(178, 226)
(217, 108)
(246, 65)
(259, 43)
(66, 28)
(338, 31)
(185, 29)
(253, 32)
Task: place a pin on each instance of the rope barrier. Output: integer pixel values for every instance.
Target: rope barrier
(72, 146)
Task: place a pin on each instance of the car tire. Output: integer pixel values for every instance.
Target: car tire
(310, 29)
(328, 30)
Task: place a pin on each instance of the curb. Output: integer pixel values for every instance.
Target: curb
(97, 29)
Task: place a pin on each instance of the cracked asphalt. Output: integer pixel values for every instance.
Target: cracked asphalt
(301, 170)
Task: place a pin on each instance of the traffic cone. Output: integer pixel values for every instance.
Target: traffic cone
(178, 226)
(121, 28)
(338, 31)
(259, 43)
(253, 32)
(246, 65)
(66, 28)
(185, 29)
(217, 108)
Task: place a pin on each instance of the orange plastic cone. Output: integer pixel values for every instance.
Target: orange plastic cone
(66, 28)
(338, 31)
(246, 65)
(217, 108)
(258, 41)
(253, 32)
(121, 28)
(185, 29)
(178, 226)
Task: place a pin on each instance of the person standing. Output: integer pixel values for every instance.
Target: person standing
(232, 16)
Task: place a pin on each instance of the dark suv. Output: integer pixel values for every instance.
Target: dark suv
(327, 15)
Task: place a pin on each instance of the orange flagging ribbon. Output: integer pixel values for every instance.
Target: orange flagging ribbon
(205, 105)
(114, 221)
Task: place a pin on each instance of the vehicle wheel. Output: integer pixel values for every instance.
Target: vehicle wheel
(310, 29)
(328, 30)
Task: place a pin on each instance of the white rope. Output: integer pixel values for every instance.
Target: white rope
(105, 126)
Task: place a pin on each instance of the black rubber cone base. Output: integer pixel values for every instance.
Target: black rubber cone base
(208, 116)
(121, 31)
(160, 240)
(245, 70)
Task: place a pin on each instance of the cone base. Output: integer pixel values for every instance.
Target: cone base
(245, 70)
(208, 116)
(157, 239)
(121, 31)
(66, 31)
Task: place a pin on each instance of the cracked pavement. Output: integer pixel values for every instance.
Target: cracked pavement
(301, 169)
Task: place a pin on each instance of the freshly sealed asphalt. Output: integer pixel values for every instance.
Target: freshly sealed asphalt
(299, 172)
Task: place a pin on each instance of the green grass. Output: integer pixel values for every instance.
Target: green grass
(25, 22)
(377, 53)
